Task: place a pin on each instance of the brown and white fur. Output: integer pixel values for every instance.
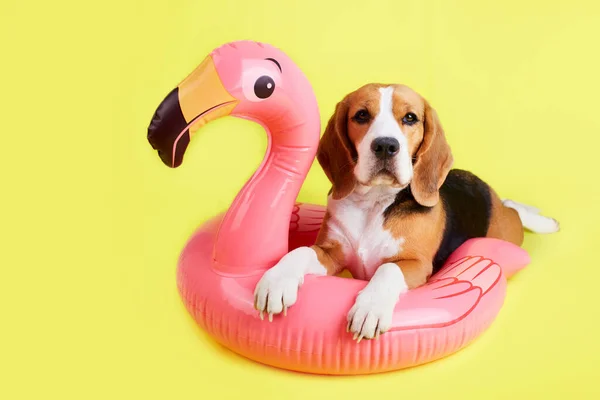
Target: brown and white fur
(396, 210)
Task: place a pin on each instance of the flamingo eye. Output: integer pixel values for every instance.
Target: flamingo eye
(264, 87)
(259, 80)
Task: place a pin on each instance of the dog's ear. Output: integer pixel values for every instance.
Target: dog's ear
(337, 154)
(433, 161)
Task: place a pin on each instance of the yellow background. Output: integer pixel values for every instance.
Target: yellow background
(92, 222)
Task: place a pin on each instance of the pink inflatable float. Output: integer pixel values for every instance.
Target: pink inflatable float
(222, 262)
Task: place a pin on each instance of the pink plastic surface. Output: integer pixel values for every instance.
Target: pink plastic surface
(226, 257)
(430, 322)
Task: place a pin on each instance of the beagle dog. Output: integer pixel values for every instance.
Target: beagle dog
(396, 209)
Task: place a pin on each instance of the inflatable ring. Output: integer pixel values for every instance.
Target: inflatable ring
(222, 262)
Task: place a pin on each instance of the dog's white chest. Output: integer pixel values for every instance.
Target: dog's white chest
(359, 229)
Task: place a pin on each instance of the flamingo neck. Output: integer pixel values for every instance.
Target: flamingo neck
(253, 234)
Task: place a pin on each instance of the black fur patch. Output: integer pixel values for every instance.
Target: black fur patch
(468, 205)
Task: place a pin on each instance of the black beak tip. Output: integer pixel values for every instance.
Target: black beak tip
(166, 159)
(163, 152)
(167, 133)
(166, 154)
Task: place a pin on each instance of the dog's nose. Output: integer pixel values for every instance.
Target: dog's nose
(385, 147)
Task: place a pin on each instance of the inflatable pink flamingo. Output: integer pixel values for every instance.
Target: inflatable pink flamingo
(221, 264)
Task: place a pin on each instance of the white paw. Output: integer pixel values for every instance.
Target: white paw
(278, 288)
(371, 315)
(373, 309)
(276, 291)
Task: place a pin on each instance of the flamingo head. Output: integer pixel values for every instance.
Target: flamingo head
(246, 79)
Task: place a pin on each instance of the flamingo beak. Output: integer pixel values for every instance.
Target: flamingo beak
(197, 100)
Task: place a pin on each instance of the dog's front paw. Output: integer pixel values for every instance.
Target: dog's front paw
(371, 315)
(276, 291)
(278, 288)
(373, 309)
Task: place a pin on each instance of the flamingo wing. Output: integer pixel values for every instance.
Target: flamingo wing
(449, 297)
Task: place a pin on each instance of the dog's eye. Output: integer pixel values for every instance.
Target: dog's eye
(410, 119)
(362, 116)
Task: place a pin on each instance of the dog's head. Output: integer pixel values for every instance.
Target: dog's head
(385, 135)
